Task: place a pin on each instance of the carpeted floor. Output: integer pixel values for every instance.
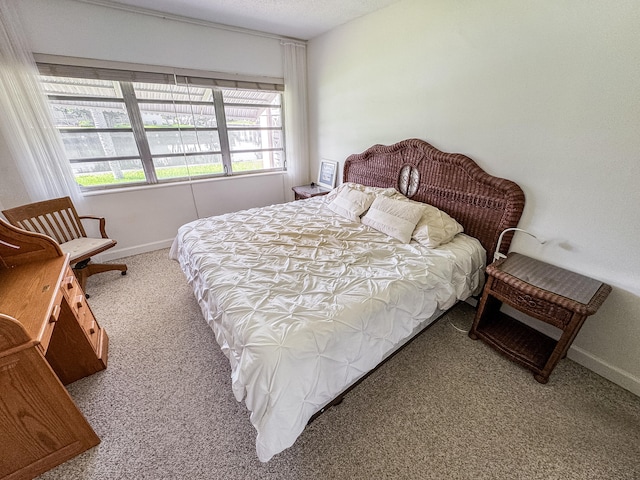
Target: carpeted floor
(446, 407)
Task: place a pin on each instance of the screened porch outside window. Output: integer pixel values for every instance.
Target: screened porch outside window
(118, 133)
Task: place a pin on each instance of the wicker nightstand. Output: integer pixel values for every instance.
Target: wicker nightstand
(308, 191)
(551, 294)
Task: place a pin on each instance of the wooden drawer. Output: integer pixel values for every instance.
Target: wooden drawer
(77, 301)
(546, 311)
(70, 285)
(53, 317)
(86, 319)
(92, 329)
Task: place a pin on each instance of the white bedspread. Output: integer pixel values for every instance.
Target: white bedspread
(304, 302)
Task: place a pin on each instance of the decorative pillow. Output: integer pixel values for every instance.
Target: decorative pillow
(387, 192)
(396, 218)
(351, 203)
(435, 228)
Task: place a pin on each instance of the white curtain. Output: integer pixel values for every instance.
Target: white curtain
(25, 120)
(295, 115)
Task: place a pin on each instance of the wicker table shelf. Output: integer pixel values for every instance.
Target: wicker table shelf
(308, 191)
(551, 294)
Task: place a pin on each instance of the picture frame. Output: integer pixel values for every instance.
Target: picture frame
(327, 174)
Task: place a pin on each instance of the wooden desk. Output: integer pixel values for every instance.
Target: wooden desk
(48, 337)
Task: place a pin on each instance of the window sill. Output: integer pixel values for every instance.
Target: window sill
(226, 178)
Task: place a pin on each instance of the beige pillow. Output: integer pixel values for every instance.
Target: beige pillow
(435, 227)
(396, 218)
(387, 192)
(351, 203)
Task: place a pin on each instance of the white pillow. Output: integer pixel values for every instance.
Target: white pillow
(387, 192)
(435, 228)
(396, 218)
(351, 203)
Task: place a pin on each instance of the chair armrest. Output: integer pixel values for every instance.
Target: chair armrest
(103, 230)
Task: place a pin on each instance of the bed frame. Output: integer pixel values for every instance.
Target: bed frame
(483, 204)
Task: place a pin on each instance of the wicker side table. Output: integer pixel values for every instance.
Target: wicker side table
(308, 191)
(551, 294)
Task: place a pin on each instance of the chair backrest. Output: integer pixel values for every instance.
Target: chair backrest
(18, 246)
(56, 218)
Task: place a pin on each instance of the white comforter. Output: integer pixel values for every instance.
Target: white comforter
(304, 302)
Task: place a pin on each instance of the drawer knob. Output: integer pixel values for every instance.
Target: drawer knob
(69, 282)
(79, 300)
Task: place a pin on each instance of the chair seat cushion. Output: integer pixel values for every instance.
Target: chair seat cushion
(80, 247)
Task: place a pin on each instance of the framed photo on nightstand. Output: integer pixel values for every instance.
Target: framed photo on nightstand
(327, 174)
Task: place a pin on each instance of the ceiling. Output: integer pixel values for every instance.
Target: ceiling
(302, 19)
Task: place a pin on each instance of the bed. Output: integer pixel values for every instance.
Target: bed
(308, 297)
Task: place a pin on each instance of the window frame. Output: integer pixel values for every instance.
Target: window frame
(216, 82)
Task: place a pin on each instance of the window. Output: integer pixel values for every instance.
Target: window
(129, 128)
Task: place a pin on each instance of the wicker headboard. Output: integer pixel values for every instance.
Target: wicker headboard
(483, 204)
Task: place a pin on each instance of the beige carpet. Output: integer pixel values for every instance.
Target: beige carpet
(446, 407)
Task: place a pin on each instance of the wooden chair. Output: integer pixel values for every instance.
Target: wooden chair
(59, 219)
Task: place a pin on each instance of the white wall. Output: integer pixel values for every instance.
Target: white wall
(544, 93)
(148, 218)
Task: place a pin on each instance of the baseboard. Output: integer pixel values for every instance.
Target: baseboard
(588, 360)
(604, 369)
(116, 253)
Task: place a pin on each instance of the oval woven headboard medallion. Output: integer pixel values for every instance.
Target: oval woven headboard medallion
(409, 180)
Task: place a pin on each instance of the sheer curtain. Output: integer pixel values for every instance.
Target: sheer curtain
(25, 119)
(295, 115)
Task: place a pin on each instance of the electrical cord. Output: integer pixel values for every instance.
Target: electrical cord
(462, 330)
